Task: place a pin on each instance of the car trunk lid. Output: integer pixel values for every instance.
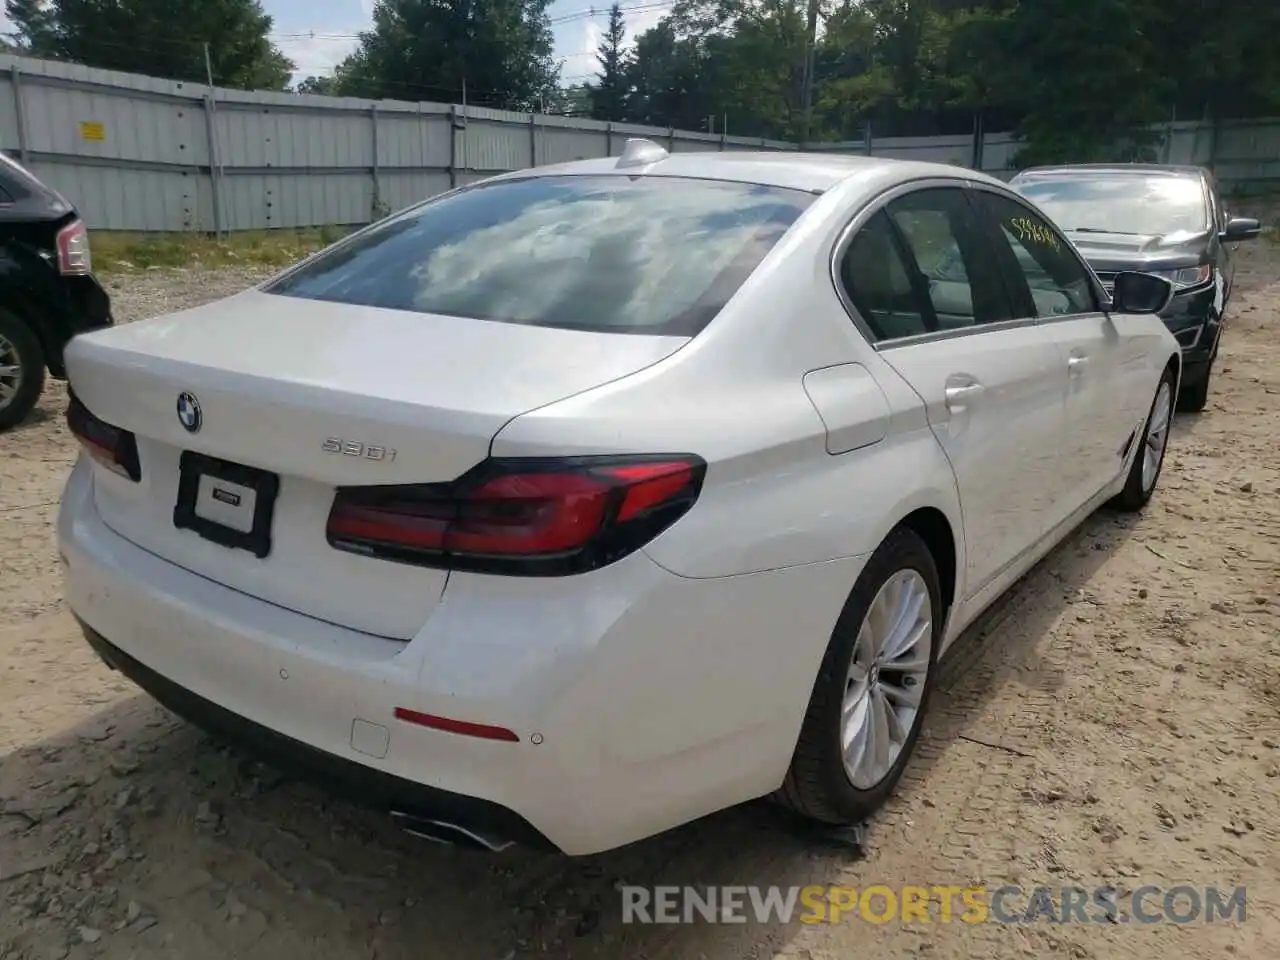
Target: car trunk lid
(319, 395)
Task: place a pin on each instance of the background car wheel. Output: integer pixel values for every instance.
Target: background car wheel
(1148, 461)
(873, 688)
(21, 370)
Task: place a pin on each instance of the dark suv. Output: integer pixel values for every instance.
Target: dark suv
(48, 293)
(1153, 218)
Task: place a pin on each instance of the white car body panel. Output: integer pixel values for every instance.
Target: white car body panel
(1001, 438)
(817, 445)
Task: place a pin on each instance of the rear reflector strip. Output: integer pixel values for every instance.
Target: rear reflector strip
(482, 730)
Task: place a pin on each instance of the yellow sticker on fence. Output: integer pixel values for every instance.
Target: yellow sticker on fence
(1035, 232)
(91, 130)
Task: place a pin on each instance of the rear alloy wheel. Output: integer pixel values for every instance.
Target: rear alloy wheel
(1148, 460)
(873, 688)
(21, 370)
(890, 663)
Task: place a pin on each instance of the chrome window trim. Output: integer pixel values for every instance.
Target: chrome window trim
(883, 199)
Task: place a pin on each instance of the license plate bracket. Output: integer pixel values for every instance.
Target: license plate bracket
(226, 503)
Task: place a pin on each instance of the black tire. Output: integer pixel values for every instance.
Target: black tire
(1194, 398)
(1135, 495)
(817, 786)
(30, 359)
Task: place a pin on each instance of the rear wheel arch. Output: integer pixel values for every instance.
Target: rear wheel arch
(932, 526)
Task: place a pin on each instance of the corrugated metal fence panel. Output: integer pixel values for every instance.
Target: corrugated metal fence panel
(253, 136)
(400, 189)
(493, 146)
(133, 152)
(413, 140)
(997, 154)
(116, 124)
(8, 111)
(1248, 152)
(561, 144)
(259, 201)
(953, 150)
(1186, 143)
(691, 143)
(121, 198)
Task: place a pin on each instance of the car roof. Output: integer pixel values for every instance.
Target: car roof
(1077, 170)
(792, 169)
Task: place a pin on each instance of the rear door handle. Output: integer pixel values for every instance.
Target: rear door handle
(1076, 365)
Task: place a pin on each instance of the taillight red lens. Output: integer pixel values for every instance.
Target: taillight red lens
(115, 449)
(74, 259)
(536, 517)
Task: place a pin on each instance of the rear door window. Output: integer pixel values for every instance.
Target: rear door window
(923, 265)
(875, 277)
(648, 255)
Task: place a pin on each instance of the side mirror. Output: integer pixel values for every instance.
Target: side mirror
(1140, 293)
(1241, 228)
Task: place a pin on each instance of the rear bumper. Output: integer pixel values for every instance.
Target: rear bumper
(641, 700)
(353, 781)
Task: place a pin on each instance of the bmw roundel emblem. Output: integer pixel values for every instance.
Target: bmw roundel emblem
(189, 414)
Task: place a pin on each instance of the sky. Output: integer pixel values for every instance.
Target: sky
(317, 34)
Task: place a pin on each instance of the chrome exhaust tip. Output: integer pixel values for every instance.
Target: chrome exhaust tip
(450, 834)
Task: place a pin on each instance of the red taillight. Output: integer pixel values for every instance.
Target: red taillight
(535, 517)
(74, 259)
(115, 449)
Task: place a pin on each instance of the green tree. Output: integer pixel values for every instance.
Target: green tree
(1219, 59)
(34, 23)
(669, 85)
(316, 85)
(1084, 79)
(573, 101)
(497, 51)
(609, 95)
(735, 59)
(134, 35)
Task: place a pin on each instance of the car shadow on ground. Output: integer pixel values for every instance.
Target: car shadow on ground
(40, 414)
(206, 834)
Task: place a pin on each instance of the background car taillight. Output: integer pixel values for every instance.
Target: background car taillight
(115, 449)
(73, 250)
(521, 516)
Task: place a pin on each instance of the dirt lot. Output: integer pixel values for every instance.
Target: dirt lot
(1116, 721)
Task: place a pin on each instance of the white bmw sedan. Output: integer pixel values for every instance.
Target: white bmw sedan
(573, 505)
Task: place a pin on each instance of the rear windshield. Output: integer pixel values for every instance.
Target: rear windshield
(651, 255)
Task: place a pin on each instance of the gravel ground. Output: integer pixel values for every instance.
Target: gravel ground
(1115, 720)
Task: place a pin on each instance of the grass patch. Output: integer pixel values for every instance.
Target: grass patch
(116, 252)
